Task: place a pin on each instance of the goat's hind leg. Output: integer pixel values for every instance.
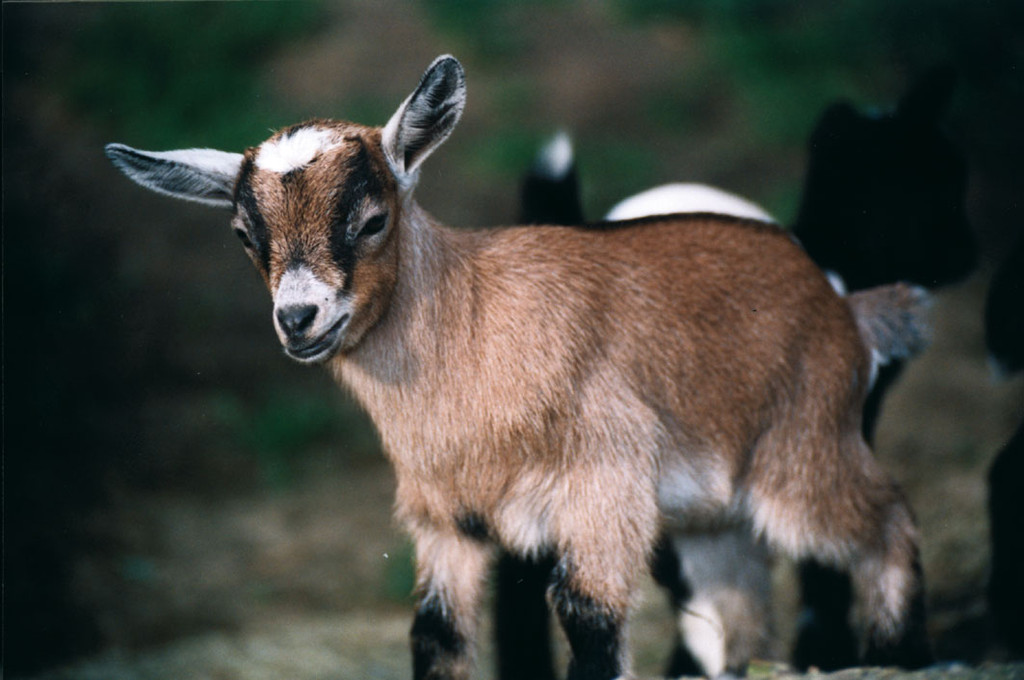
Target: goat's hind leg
(889, 583)
(851, 516)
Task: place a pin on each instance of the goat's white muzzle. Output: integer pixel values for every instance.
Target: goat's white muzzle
(310, 317)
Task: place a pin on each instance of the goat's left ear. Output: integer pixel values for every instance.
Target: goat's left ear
(201, 175)
(425, 118)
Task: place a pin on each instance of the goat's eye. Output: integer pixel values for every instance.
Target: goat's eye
(244, 238)
(374, 225)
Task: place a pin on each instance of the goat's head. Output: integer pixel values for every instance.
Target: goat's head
(318, 207)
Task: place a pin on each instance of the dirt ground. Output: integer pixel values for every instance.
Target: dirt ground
(207, 553)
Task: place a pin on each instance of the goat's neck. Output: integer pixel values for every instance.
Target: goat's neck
(419, 342)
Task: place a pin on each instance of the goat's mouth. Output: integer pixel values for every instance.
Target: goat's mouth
(321, 348)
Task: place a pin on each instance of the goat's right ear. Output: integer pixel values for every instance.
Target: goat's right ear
(202, 175)
(425, 118)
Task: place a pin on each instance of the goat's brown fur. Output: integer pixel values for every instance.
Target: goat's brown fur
(574, 390)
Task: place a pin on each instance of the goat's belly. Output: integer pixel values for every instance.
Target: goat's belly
(697, 498)
(523, 519)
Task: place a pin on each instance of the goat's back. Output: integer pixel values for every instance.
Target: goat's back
(721, 322)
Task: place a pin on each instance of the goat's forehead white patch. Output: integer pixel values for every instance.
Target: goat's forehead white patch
(296, 150)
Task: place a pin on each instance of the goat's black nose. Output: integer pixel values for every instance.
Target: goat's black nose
(295, 320)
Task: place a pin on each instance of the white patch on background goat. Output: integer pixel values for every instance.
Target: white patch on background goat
(704, 635)
(686, 198)
(691, 498)
(729, 574)
(877, 361)
(555, 159)
(837, 282)
(997, 368)
(296, 150)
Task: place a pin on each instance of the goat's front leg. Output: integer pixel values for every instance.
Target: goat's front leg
(608, 537)
(594, 627)
(450, 576)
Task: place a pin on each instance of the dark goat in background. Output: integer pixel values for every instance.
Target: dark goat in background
(550, 192)
(1004, 314)
(883, 201)
(1004, 338)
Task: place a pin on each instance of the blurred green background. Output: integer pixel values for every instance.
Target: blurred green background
(167, 471)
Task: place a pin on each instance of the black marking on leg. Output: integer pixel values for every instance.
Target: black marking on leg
(522, 622)
(593, 630)
(435, 641)
(473, 525)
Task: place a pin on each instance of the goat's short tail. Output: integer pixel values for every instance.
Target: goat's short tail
(893, 320)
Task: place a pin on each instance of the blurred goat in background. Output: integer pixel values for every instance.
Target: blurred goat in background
(1004, 339)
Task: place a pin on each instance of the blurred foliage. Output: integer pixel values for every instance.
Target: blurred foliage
(674, 108)
(194, 72)
(614, 169)
(280, 427)
(502, 151)
(491, 31)
(400, 573)
(783, 202)
(69, 377)
(362, 107)
(786, 58)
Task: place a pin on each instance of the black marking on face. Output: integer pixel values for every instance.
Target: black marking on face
(360, 181)
(472, 525)
(292, 176)
(593, 631)
(245, 198)
(435, 640)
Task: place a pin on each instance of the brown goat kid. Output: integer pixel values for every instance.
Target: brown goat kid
(571, 391)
